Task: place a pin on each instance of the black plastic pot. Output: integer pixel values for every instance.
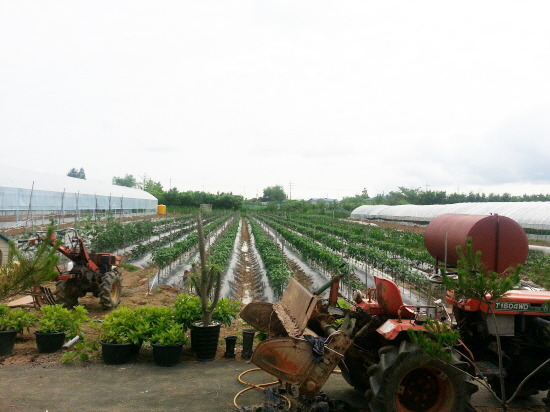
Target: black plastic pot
(166, 355)
(230, 342)
(118, 353)
(204, 340)
(248, 342)
(7, 341)
(49, 342)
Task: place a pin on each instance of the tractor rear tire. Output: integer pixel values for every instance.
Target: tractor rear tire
(110, 290)
(67, 292)
(354, 366)
(408, 380)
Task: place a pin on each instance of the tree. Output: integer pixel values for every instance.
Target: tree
(473, 281)
(274, 194)
(79, 174)
(128, 181)
(28, 268)
(208, 283)
(155, 188)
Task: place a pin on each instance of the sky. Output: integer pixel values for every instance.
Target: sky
(323, 98)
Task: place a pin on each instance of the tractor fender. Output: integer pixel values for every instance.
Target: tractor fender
(393, 327)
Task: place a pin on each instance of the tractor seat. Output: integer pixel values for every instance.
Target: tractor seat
(390, 300)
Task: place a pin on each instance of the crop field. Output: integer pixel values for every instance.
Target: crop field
(259, 252)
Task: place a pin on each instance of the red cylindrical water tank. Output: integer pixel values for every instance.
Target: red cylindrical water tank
(501, 240)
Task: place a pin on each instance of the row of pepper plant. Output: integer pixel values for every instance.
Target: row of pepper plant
(115, 234)
(163, 257)
(220, 252)
(394, 252)
(397, 244)
(360, 252)
(315, 253)
(277, 270)
(175, 232)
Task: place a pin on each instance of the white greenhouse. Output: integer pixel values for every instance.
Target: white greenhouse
(29, 195)
(534, 217)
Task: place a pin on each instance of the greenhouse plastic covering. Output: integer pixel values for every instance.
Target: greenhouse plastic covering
(532, 215)
(22, 190)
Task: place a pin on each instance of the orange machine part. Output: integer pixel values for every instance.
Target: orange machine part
(501, 240)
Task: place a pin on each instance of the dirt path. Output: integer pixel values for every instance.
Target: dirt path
(299, 274)
(247, 285)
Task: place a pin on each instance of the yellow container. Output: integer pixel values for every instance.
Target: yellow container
(161, 209)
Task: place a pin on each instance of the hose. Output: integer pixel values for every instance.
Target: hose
(253, 386)
(260, 386)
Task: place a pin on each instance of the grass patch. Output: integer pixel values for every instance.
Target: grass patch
(129, 267)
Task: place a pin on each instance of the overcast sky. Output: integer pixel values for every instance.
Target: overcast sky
(332, 97)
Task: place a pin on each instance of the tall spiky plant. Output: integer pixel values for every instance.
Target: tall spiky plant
(208, 283)
(28, 268)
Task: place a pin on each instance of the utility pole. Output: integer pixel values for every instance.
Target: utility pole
(290, 191)
(366, 259)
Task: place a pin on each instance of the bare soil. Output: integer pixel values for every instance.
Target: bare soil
(247, 283)
(299, 274)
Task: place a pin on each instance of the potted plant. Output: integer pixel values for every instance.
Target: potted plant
(167, 338)
(57, 323)
(206, 331)
(12, 321)
(122, 333)
(205, 327)
(187, 310)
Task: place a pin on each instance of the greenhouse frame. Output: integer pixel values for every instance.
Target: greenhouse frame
(534, 217)
(36, 196)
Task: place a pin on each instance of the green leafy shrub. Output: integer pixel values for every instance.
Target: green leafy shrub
(84, 351)
(169, 333)
(56, 318)
(437, 340)
(124, 325)
(188, 310)
(15, 319)
(226, 311)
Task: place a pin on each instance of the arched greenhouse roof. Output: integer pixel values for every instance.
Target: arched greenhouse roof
(533, 215)
(48, 191)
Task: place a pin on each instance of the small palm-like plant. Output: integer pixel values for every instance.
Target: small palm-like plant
(28, 268)
(474, 281)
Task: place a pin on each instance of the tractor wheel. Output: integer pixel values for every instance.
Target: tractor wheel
(354, 369)
(110, 290)
(67, 292)
(408, 380)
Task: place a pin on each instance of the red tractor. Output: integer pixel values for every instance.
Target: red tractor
(372, 344)
(86, 272)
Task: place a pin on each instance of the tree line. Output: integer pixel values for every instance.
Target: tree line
(440, 197)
